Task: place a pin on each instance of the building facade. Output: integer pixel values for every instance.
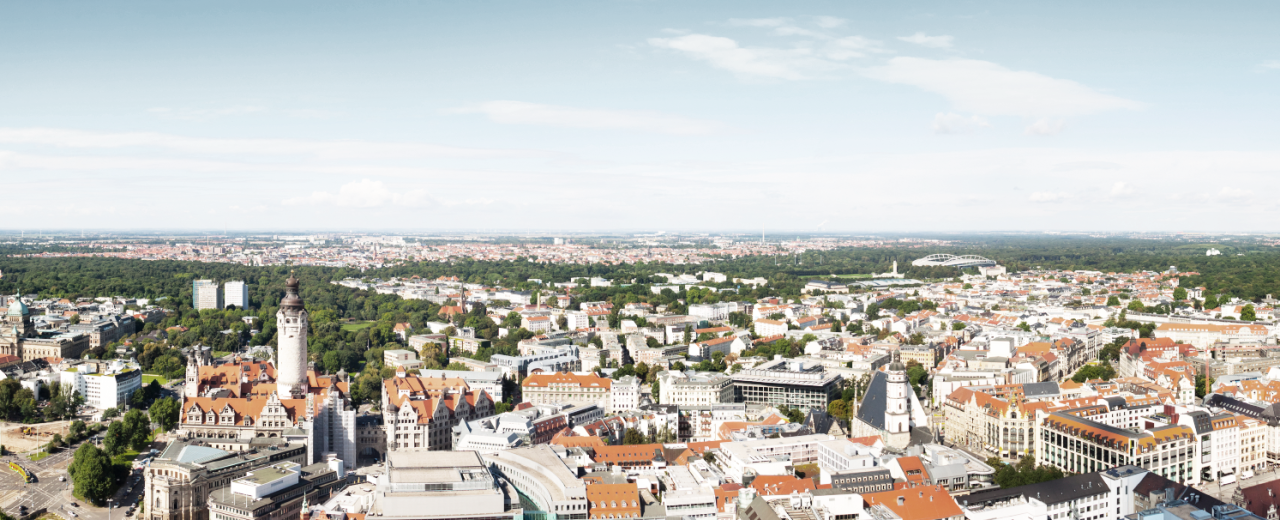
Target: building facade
(236, 292)
(206, 294)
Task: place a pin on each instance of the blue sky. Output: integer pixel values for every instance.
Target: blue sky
(640, 115)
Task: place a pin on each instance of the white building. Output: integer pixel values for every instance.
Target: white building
(577, 320)
(766, 328)
(206, 294)
(694, 389)
(625, 394)
(236, 292)
(407, 359)
(104, 385)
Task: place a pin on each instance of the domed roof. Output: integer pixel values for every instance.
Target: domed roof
(17, 308)
(291, 301)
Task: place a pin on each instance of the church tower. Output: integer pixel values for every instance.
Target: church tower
(896, 417)
(291, 326)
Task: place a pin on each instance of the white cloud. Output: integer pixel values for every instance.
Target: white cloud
(1267, 66)
(521, 113)
(852, 47)
(828, 22)
(724, 53)
(203, 114)
(937, 42)
(982, 87)
(1229, 194)
(1046, 126)
(801, 61)
(952, 123)
(364, 193)
(1121, 189)
(319, 149)
(759, 22)
(1049, 196)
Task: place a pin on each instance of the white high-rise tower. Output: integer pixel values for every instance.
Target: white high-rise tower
(291, 326)
(896, 417)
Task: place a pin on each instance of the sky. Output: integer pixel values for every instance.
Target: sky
(640, 115)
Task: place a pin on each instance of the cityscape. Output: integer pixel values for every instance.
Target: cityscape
(639, 260)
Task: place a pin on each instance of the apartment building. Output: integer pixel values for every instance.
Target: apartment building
(1079, 445)
(691, 388)
(104, 384)
(420, 412)
(568, 388)
(236, 292)
(206, 294)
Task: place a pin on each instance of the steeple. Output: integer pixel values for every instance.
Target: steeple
(291, 302)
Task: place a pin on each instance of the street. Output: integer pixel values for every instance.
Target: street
(45, 492)
(1224, 493)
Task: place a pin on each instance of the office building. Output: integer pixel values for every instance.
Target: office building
(786, 382)
(104, 384)
(206, 294)
(236, 293)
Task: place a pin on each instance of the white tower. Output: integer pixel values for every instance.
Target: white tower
(896, 417)
(291, 324)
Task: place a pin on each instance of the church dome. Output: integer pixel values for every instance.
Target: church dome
(897, 366)
(17, 308)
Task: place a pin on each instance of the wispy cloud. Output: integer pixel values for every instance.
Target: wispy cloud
(1267, 66)
(982, 87)
(1045, 126)
(522, 113)
(1049, 196)
(759, 22)
(952, 123)
(725, 53)
(828, 22)
(942, 41)
(204, 114)
(1121, 189)
(319, 149)
(364, 193)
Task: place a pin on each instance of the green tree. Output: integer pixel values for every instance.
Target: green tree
(1113, 301)
(91, 473)
(76, 431)
(1248, 313)
(165, 413)
(1210, 302)
(633, 436)
(1179, 294)
(115, 441)
(139, 428)
(1136, 306)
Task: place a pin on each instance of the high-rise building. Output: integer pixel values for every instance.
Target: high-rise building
(206, 294)
(291, 321)
(236, 293)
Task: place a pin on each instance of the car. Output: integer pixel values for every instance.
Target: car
(72, 513)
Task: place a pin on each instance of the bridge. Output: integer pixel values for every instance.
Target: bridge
(953, 261)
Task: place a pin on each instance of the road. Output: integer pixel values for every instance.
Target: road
(1224, 493)
(45, 492)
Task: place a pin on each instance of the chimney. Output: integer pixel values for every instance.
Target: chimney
(901, 500)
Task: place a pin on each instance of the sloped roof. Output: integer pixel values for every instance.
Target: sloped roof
(872, 408)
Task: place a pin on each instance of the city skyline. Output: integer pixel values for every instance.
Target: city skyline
(639, 116)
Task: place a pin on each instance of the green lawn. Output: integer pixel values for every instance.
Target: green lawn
(39, 456)
(354, 327)
(148, 378)
(851, 275)
(220, 353)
